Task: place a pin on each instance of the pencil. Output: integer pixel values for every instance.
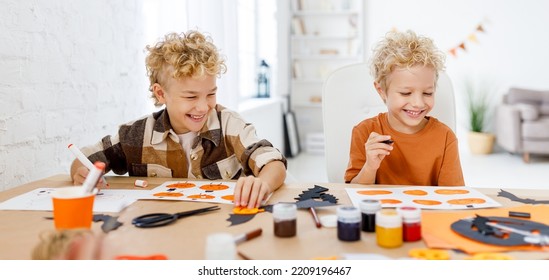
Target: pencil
(315, 217)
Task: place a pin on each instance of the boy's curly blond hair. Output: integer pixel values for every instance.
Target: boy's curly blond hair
(54, 245)
(404, 50)
(182, 55)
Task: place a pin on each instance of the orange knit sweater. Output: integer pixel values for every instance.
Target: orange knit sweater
(427, 158)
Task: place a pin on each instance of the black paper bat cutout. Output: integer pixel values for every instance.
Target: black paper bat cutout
(237, 219)
(109, 222)
(317, 192)
(513, 197)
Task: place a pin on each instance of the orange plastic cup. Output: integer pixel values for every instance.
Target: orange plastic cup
(72, 209)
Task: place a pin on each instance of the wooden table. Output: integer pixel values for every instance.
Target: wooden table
(185, 239)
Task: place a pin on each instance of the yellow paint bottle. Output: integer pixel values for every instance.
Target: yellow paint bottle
(388, 228)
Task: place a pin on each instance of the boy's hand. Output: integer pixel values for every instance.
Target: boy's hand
(250, 192)
(376, 150)
(81, 174)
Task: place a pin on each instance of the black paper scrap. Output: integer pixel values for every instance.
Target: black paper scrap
(513, 197)
(109, 222)
(313, 203)
(237, 219)
(328, 197)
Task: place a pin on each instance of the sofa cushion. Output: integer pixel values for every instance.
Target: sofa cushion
(527, 96)
(544, 108)
(528, 112)
(538, 129)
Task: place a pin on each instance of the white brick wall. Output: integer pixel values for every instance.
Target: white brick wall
(71, 71)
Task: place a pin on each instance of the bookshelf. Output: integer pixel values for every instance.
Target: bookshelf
(324, 35)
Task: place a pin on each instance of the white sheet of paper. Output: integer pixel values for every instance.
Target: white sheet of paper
(105, 201)
(430, 193)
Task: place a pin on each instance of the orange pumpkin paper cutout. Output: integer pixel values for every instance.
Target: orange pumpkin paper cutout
(229, 197)
(242, 210)
(374, 192)
(415, 192)
(201, 196)
(466, 201)
(169, 194)
(183, 185)
(451, 191)
(390, 201)
(214, 187)
(426, 202)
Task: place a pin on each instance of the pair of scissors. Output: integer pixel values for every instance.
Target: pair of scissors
(162, 219)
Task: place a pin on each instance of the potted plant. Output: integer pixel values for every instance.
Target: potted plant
(478, 105)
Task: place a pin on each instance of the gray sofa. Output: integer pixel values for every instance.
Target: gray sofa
(522, 122)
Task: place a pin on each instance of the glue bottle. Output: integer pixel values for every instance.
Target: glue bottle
(388, 228)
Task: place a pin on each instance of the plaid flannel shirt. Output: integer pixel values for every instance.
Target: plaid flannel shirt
(225, 148)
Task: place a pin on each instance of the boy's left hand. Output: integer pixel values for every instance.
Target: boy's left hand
(250, 192)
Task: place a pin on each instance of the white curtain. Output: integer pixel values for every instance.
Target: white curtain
(216, 18)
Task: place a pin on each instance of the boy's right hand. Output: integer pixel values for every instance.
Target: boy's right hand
(80, 176)
(376, 150)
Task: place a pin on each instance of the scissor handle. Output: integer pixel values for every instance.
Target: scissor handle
(154, 220)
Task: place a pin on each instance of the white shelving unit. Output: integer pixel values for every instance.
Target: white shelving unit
(325, 35)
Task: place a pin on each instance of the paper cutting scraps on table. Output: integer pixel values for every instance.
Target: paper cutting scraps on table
(513, 197)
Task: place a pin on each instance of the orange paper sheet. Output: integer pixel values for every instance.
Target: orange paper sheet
(437, 233)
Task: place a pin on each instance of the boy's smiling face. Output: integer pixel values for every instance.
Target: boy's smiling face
(409, 97)
(188, 101)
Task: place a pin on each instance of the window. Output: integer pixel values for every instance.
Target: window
(257, 40)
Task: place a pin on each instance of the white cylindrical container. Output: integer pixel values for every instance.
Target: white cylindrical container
(220, 246)
(285, 219)
(348, 223)
(389, 228)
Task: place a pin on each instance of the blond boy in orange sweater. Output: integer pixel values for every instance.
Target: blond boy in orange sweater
(421, 150)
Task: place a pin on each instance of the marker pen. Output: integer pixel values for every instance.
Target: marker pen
(84, 160)
(93, 177)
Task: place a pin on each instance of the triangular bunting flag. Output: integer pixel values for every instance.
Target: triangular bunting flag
(462, 46)
(453, 52)
(472, 38)
(480, 28)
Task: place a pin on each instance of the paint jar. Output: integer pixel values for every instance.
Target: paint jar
(388, 228)
(369, 207)
(285, 219)
(348, 223)
(220, 246)
(411, 223)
